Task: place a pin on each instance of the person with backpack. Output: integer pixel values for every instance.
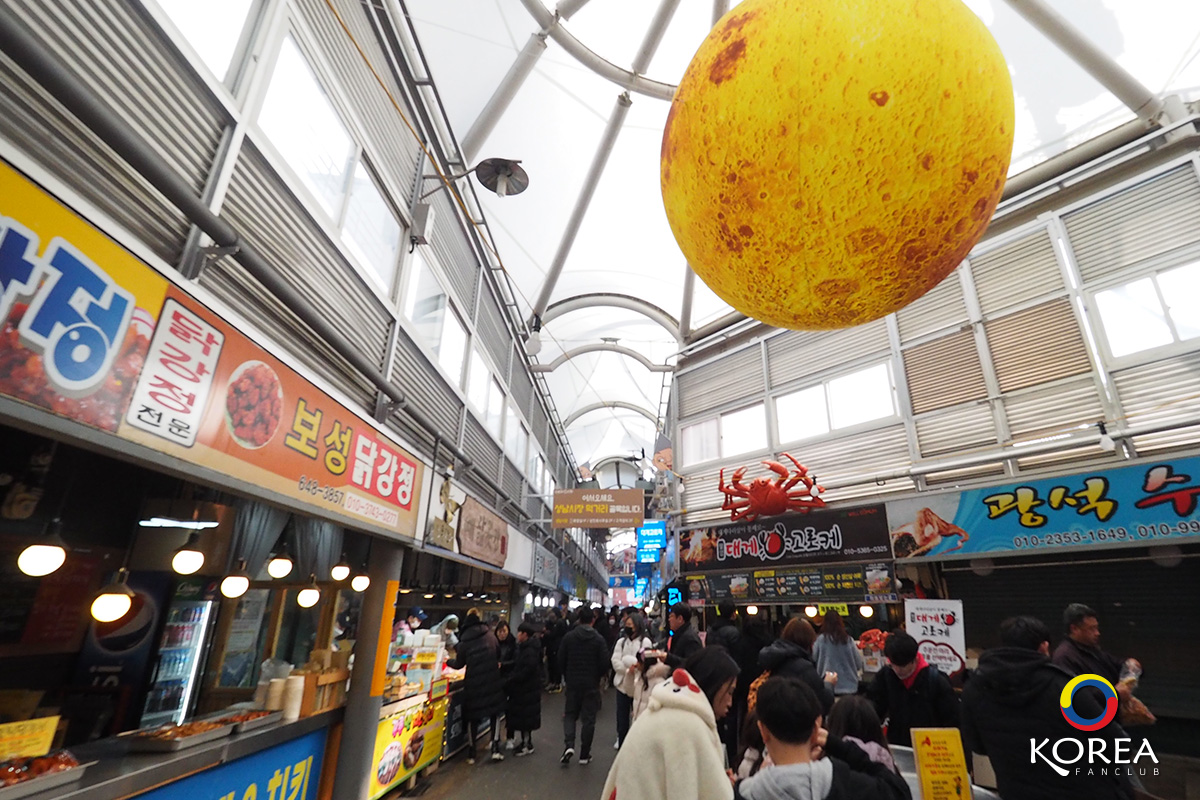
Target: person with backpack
(791, 656)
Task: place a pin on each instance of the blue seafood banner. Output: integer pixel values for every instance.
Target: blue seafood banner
(1154, 502)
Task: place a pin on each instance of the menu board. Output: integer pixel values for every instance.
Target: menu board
(864, 583)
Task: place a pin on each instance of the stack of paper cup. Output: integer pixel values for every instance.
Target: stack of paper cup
(293, 695)
(275, 694)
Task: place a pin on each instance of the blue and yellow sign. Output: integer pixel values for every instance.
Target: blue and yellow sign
(1147, 504)
(290, 771)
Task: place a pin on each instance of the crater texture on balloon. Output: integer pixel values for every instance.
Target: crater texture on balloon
(827, 162)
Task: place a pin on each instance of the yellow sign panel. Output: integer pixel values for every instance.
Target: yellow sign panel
(941, 764)
(841, 608)
(384, 646)
(28, 738)
(405, 743)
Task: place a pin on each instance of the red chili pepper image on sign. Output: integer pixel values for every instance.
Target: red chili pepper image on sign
(253, 404)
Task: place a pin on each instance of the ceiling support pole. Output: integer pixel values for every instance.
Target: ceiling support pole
(599, 162)
(483, 125)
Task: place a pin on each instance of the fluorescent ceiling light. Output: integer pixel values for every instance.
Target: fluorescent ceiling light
(187, 524)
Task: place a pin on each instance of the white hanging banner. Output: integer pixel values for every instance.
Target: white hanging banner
(937, 625)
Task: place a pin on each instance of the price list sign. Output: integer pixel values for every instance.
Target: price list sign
(864, 583)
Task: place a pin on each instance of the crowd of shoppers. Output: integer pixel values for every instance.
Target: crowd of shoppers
(794, 716)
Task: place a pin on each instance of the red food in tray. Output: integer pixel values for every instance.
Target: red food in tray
(23, 769)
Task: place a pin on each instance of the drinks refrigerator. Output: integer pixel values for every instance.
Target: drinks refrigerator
(180, 659)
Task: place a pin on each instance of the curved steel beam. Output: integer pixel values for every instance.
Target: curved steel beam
(624, 78)
(605, 348)
(591, 300)
(571, 420)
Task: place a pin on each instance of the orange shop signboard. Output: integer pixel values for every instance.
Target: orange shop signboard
(90, 333)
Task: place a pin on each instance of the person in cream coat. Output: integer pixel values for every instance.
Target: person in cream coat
(627, 669)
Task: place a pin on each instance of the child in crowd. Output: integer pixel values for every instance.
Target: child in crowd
(809, 763)
(853, 719)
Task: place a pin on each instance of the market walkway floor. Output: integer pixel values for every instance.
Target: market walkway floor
(530, 776)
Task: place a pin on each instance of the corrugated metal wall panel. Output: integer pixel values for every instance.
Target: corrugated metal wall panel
(541, 427)
(728, 379)
(1164, 392)
(1037, 345)
(269, 217)
(395, 151)
(941, 307)
(453, 251)
(1142, 222)
(122, 57)
(493, 333)
(859, 458)
(425, 388)
(520, 384)
(964, 428)
(1019, 271)
(798, 354)
(479, 445)
(928, 367)
(512, 480)
(1064, 406)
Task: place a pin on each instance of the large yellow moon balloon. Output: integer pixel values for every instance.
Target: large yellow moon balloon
(827, 162)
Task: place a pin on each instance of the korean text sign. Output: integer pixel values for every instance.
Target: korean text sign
(406, 742)
(290, 771)
(1145, 504)
(598, 508)
(937, 625)
(827, 536)
(90, 333)
(27, 738)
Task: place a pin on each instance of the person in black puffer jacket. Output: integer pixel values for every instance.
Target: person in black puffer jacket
(583, 657)
(524, 686)
(1013, 700)
(910, 692)
(483, 688)
(791, 655)
(507, 653)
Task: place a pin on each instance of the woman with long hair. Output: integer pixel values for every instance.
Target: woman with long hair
(836, 652)
(626, 664)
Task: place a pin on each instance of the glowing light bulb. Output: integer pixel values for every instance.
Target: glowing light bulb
(810, 611)
(280, 566)
(360, 583)
(340, 572)
(308, 597)
(110, 607)
(39, 560)
(529, 598)
(187, 562)
(234, 586)
(752, 610)
(867, 611)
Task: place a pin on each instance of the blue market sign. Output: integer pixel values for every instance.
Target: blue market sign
(289, 771)
(1148, 504)
(620, 581)
(652, 534)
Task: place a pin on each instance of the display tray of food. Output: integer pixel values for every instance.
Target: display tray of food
(20, 777)
(249, 720)
(178, 737)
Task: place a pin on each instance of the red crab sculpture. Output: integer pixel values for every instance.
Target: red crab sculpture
(765, 497)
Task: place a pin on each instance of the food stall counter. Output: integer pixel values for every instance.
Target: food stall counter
(120, 773)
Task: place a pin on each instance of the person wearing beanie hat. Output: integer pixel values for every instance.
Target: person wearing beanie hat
(672, 751)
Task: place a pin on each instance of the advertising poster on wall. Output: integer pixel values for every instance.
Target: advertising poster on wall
(937, 625)
(818, 537)
(405, 742)
(1146, 504)
(90, 333)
